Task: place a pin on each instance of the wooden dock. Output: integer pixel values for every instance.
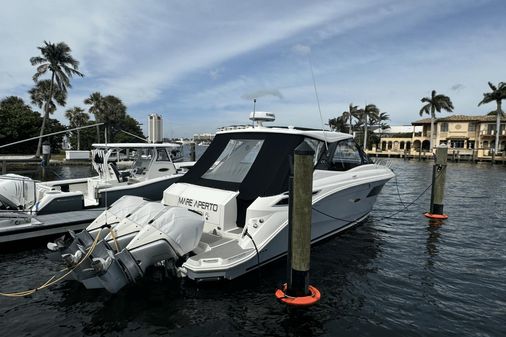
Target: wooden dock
(453, 156)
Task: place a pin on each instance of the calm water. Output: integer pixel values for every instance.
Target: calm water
(403, 276)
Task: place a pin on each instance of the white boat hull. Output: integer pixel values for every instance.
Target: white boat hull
(336, 215)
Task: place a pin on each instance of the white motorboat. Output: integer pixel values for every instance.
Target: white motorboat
(228, 215)
(30, 209)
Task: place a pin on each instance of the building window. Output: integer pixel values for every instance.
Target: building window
(470, 144)
(472, 126)
(444, 127)
(458, 144)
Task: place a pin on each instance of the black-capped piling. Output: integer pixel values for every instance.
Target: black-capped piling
(438, 184)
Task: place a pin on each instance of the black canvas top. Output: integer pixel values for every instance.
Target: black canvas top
(268, 174)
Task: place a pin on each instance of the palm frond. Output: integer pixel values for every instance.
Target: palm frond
(425, 109)
(493, 87)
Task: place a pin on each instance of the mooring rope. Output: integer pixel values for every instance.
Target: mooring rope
(55, 279)
(405, 206)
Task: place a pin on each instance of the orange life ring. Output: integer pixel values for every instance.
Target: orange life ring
(436, 216)
(302, 301)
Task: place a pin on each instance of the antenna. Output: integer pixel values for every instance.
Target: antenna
(254, 107)
(318, 101)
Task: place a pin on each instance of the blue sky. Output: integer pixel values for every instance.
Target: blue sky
(199, 63)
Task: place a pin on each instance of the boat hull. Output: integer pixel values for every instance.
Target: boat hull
(44, 224)
(331, 215)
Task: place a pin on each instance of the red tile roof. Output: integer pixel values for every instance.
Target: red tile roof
(459, 118)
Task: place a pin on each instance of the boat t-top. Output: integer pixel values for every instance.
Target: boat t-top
(29, 208)
(228, 215)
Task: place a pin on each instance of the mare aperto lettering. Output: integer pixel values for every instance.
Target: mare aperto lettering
(203, 205)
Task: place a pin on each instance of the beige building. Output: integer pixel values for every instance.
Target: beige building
(461, 133)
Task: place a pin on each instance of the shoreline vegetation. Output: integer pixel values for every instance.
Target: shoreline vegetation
(23, 121)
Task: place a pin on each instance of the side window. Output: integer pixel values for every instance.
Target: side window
(346, 156)
(317, 146)
(162, 155)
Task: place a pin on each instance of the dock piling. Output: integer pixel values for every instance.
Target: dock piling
(192, 151)
(298, 292)
(438, 184)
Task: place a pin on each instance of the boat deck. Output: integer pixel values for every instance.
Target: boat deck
(49, 224)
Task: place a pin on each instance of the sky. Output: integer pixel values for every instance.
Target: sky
(199, 64)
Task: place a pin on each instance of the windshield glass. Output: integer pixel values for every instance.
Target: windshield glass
(235, 161)
(143, 158)
(317, 147)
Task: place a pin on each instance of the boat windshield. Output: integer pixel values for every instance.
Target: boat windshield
(255, 164)
(143, 159)
(235, 161)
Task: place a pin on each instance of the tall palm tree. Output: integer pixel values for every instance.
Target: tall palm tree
(77, 117)
(96, 103)
(337, 124)
(381, 120)
(348, 115)
(370, 112)
(435, 103)
(40, 93)
(497, 94)
(56, 59)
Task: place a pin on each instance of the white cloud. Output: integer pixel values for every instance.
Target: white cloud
(170, 56)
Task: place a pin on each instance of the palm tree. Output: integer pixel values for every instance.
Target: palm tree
(337, 124)
(40, 93)
(57, 60)
(381, 121)
(370, 112)
(77, 117)
(498, 94)
(349, 114)
(96, 102)
(435, 103)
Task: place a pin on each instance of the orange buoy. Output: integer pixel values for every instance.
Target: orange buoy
(300, 301)
(436, 216)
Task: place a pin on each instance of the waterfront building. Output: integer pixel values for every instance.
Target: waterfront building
(469, 135)
(203, 137)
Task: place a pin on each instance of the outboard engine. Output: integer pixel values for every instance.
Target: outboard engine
(16, 192)
(122, 208)
(118, 238)
(170, 236)
(128, 215)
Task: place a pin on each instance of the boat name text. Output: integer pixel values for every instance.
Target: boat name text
(204, 205)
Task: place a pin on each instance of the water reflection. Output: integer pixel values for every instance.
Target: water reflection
(433, 230)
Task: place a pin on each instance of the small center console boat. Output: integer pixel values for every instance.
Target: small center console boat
(31, 209)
